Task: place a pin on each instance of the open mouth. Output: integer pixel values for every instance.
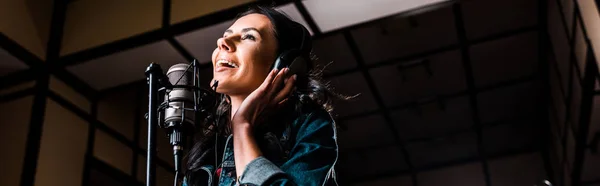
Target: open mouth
(226, 63)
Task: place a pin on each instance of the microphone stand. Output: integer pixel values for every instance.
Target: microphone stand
(153, 72)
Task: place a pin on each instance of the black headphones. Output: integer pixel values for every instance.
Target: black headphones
(296, 58)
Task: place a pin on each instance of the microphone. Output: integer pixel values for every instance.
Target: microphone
(186, 105)
(179, 114)
(181, 98)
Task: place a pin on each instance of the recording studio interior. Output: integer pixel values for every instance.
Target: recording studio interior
(445, 92)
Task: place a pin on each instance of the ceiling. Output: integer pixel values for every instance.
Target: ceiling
(10, 64)
(433, 97)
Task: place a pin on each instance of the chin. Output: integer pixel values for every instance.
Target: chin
(223, 87)
(219, 86)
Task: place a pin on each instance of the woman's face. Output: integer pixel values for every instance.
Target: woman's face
(244, 54)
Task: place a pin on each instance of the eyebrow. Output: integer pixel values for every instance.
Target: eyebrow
(243, 30)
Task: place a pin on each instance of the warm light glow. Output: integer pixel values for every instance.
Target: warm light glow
(335, 14)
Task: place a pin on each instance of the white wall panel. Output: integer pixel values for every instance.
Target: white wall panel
(14, 126)
(63, 147)
(67, 92)
(112, 152)
(335, 14)
(117, 111)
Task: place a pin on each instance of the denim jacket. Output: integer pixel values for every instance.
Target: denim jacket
(305, 153)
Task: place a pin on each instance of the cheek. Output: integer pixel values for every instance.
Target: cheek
(257, 63)
(214, 55)
(252, 75)
(262, 61)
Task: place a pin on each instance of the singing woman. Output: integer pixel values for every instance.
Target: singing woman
(273, 127)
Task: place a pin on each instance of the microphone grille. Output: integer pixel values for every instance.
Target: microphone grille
(179, 71)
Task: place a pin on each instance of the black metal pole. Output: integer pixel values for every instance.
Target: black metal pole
(152, 79)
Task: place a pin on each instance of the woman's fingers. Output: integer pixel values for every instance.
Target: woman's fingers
(289, 85)
(278, 82)
(266, 84)
(276, 86)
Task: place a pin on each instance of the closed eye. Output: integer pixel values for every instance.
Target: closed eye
(249, 36)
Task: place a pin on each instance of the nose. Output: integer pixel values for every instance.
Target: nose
(226, 44)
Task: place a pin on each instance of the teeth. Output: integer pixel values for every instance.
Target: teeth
(222, 62)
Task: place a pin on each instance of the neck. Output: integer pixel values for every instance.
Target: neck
(236, 101)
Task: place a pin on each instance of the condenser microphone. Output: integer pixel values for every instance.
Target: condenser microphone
(186, 108)
(180, 97)
(181, 105)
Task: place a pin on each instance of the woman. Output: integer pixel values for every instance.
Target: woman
(272, 127)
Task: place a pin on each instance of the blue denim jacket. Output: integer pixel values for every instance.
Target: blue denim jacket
(304, 154)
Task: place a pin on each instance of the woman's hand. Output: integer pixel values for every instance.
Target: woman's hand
(271, 92)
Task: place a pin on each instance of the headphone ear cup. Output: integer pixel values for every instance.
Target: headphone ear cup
(287, 58)
(293, 60)
(279, 62)
(298, 66)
